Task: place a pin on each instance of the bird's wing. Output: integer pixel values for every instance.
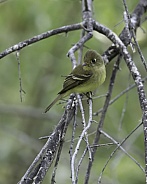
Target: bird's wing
(75, 79)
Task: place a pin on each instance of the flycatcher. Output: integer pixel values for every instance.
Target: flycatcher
(84, 78)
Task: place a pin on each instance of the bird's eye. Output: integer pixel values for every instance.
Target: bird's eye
(93, 61)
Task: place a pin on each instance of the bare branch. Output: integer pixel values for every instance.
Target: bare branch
(37, 38)
(48, 152)
(135, 19)
(131, 33)
(44, 159)
(87, 25)
(101, 122)
(19, 76)
(119, 146)
(119, 95)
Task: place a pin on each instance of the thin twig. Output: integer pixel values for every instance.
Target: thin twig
(73, 138)
(119, 146)
(124, 109)
(80, 140)
(103, 145)
(131, 31)
(136, 77)
(47, 153)
(79, 164)
(37, 38)
(21, 91)
(59, 151)
(84, 125)
(87, 18)
(119, 95)
(105, 107)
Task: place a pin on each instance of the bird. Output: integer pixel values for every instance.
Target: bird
(84, 78)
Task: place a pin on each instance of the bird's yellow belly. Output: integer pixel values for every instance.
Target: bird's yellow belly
(90, 85)
(84, 89)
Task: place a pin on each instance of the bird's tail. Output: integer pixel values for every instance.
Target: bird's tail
(56, 99)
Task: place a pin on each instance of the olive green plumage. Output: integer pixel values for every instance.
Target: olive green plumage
(84, 78)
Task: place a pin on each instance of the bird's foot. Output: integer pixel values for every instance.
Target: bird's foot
(89, 96)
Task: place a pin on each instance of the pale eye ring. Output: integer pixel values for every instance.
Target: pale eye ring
(93, 61)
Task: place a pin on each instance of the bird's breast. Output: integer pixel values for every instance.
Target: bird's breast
(93, 82)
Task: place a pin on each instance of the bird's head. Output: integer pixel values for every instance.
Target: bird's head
(93, 59)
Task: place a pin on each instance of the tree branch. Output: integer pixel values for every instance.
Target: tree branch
(36, 172)
(37, 38)
(135, 20)
(42, 162)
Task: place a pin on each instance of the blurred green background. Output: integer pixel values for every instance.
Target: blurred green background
(42, 65)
